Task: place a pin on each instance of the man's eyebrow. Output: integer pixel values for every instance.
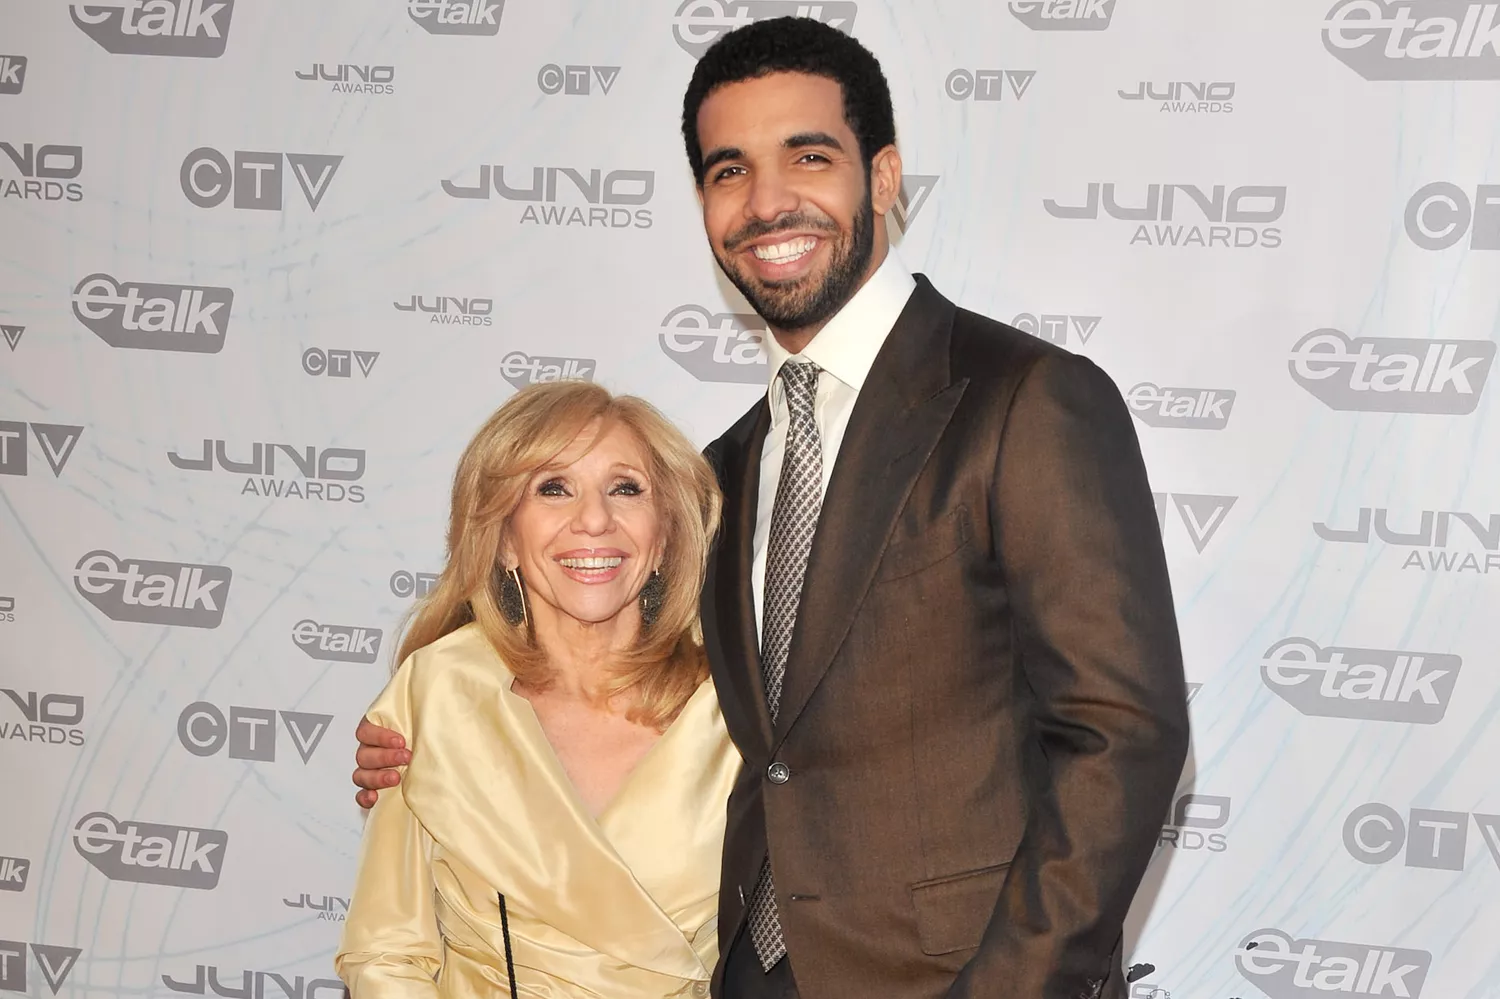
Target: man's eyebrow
(802, 139)
(721, 155)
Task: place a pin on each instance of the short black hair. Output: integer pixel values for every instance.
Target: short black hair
(795, 45)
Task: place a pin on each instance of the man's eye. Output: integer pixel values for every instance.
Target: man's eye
(733, 171)
(813, 157)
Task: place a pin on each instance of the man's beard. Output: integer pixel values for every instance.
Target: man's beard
(798, 304)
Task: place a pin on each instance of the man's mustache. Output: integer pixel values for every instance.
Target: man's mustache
(756, 228)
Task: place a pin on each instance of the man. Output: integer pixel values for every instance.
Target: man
(938, 613)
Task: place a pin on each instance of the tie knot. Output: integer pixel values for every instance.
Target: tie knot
(801, 382)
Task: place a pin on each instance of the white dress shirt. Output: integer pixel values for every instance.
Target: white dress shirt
(845, 349)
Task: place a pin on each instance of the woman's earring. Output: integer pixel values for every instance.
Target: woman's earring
(652, 596)
(512, 598)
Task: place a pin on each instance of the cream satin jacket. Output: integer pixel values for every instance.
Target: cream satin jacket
(620, 908)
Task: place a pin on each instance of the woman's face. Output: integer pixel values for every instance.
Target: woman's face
(588, 533)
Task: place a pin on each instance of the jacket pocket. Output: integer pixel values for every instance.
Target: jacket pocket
(905, 555)
(952, 911)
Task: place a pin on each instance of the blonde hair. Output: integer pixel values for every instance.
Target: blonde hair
(667, 663)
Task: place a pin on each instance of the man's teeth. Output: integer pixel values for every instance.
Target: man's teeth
(780, 253)
(592, 562)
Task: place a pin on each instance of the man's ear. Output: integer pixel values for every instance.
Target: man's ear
(885, 179)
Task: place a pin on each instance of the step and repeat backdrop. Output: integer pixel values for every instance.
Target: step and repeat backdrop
(269, 263)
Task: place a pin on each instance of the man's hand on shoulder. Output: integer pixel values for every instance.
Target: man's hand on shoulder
(380, 751)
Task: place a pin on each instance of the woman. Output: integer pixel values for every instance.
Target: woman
(558, 829)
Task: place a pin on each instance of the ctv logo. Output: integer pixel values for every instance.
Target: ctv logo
(716, 346)
(988, 84)
(699, 23)
(406, 584)
(1440, 214)
(913, 195)
(250, 733)
(191, 28)
(12, 74)
(12, 336)
(144, 316)
(1054, 328)
(179, 594)
(1284, 967)
(610, 196)
(1201, 514)
(1416, 39)
(338, 363)
(1392, 374)
(57, 441)
(457, 17)
(14, 873)
(1437, 840)
(151, 853)
(337, 642)
(1365, 684)
(255, 179)
(55, 963)
(575, 80)
(1063, 15)
(522, 370)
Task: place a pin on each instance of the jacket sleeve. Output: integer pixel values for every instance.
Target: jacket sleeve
(1078, 540)
(391, 947)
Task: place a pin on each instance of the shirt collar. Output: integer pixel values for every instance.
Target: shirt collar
(847, 345)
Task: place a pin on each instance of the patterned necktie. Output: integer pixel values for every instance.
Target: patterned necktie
(799, 497)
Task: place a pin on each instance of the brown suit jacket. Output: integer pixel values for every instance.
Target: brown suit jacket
(984, 713)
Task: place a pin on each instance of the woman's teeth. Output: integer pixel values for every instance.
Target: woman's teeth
(781, 253)
(592, 562)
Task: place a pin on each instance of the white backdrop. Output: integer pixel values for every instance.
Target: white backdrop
(255, 300)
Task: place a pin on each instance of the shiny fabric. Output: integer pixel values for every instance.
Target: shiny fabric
(983, 718)
(621, 908)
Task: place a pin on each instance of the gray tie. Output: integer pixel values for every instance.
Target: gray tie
(799, 497)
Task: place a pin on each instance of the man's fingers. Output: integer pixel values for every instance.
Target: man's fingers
(374, 780)
(370, 734)
(370, 758)
(366, 799)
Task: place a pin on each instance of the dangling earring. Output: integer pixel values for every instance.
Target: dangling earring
(512, 598)
(652, 596)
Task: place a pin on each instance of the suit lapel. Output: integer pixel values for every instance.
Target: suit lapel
(902, 410)
(728, 600)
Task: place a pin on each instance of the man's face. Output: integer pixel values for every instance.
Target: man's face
(787, 203)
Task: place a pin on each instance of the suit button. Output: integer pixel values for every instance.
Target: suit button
(778, 773)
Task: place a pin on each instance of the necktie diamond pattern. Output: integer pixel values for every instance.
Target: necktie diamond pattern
(799, 498)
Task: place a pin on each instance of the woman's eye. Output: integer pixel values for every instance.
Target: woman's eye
(552, 487)
(628, 487)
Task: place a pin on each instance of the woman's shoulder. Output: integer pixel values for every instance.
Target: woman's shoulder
(456, 665)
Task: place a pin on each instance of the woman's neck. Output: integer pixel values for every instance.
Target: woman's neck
(583, 657)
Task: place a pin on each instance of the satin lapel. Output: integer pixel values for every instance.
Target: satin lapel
(902, 410)
(728, 604)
